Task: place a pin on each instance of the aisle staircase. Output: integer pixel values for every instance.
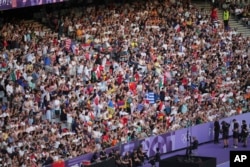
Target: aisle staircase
(233, 22)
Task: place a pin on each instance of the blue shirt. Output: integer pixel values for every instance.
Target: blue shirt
(47, 61)
(157, 97)
(140, 107)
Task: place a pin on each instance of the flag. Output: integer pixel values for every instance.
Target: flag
(132, 87)
(13, 76)
(85, 46)
(140, 107)
(68, 43)
(74, 47)
(194, 86)
(121, 104)
(160, 115)
(111, 107)
(91, 115)
(177, 27)
(96, 100)
(150, 96)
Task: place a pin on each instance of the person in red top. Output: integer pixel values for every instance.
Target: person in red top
(185, 81)
(137, 76)
(105, 139)
(194, 69)
(5, 43)
(214, 14)
(119, 78)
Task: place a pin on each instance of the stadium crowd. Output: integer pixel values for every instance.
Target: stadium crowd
(112, 74)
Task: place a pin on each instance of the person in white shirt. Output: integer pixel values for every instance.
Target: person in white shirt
(10, 91)
(10, 150)
(69, 121)
(96, 134)
(80, 69)
(21, 152)
(87, 73)
(57, 107)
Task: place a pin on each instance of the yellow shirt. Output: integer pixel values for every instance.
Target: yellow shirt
(78, 32)
(189, 23)
(5, 136)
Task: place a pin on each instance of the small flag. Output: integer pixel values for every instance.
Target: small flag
(85, 46)
(177, 27)
(74, 47)
(68, 43)
(150, 96)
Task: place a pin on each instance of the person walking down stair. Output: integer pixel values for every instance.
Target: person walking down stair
(226, 16)
(214, 14)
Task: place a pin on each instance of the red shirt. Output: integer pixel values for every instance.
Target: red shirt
(194, 68)
(105, 138)
(137, 77)
(184, 81)
(119, 79)
(5, 43)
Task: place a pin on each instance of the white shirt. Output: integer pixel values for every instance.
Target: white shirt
(10, 150)
(87, 72)
(57, 104)
(21, 153)
(9, 89)
(80, 69)
(57, 143)
(69, 118)
(155, 131)
(97, 134)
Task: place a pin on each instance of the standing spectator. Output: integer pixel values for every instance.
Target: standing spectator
(214, 14)
(10, 91)
(57, 107)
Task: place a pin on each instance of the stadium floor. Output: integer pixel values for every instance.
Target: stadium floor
(210, 150)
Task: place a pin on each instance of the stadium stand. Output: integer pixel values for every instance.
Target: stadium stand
(81, 79)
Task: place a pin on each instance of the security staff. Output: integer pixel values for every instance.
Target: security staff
(226, 19)
(216, 131)
(244, 133)
(225, 133)
(235, 133)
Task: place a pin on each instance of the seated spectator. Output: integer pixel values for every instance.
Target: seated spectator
(103, 155)
(94, 158)
(135, 159)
